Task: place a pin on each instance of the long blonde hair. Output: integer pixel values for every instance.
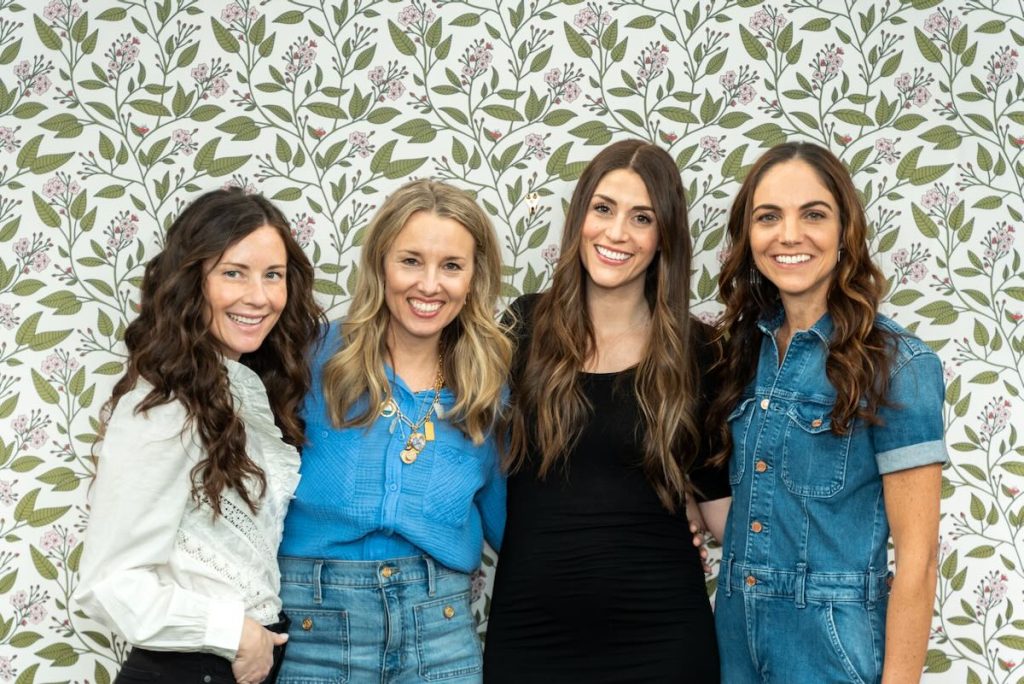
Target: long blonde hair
(477, 353)
(548, 407)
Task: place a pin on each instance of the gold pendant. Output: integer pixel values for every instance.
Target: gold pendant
(409, 455)
(428, 430)
(416, 441)
(388, 408)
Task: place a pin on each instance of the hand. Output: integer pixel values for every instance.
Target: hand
(255, 654)
(698, 531)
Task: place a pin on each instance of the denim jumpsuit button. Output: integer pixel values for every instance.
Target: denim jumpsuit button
(751, 580)
(386, 571)
(760, 466)
(307, 624)
(756, 527)
(764, 404)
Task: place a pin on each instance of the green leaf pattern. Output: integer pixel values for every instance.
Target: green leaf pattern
(116, 112)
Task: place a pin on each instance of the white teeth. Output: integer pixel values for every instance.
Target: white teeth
(792, 259)
(424, 307)
(245, 320)
(611, 254)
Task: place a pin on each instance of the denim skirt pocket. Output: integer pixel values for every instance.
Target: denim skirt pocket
(446, 640)
(813, 458)
(853, 642)
(318, 648)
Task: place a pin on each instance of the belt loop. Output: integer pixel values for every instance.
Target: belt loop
(800, 586)
(318, 595)
(431, 579)
(872, 592)
(726, 572)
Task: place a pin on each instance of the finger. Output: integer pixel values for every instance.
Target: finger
(279, 639)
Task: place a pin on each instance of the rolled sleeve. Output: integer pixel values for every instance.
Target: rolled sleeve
(911, 433)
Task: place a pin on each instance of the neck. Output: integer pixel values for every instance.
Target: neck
(414, 359)
(801, 316)
(617, 310)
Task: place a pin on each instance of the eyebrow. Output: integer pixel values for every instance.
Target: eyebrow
(608, 199)
(808, 205)
(413, 252)
(235, 264)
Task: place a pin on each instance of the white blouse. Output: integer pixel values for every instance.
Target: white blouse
(163, 571)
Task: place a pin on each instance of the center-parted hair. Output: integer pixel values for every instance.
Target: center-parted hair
(859, 353)
(476, 352)
(549, 408)
(170, 344)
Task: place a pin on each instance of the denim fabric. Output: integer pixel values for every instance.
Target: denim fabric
(357, 500)
(394, 621)
(804, 580)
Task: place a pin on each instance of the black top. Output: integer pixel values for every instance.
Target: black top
(597, 581)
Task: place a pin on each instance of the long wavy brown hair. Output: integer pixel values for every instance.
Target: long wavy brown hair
(170, 345)
(549, 408)
(476, 351)
(859, 356)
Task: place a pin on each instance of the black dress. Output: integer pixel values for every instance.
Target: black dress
(597, 581)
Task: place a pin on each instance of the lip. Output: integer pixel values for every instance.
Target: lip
(609, 260)
(791, 264)
(257, 320)
(420, 313)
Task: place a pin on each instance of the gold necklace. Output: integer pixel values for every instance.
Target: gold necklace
(420, 431)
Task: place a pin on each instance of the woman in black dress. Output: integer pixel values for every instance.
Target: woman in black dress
(598, 580)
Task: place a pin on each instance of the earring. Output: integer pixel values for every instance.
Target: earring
(755, 276)
(839, 256)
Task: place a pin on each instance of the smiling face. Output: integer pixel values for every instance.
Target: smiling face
(428, 272)
(794, 236)
(246, 292)
(619, 237)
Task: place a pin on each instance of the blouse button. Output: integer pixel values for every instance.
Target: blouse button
(207, 679)
(764, 404)
(307, 624)
(756, 527)
(760, 466)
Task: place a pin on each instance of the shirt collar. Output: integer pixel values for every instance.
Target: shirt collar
(771, 321)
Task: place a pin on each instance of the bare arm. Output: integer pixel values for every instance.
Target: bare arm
(912, 505)
(715, 513)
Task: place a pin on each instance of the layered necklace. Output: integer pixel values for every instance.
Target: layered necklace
(421, 430)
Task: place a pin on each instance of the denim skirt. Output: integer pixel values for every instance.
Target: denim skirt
(400, 620)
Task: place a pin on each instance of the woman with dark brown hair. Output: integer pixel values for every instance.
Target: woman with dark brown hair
(597, 579)
(198, 458)
(832, 424)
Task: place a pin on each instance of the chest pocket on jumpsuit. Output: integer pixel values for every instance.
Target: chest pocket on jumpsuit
(813, 458)
(739, 425)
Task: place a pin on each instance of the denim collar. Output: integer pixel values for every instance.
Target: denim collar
(771, 321)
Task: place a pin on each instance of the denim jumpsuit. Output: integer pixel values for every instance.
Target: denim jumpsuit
(804, 581)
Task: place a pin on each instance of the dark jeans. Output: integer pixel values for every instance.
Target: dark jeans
(178, 667)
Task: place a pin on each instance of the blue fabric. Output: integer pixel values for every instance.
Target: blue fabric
(398, 621)
(357, 500)
(803, 585)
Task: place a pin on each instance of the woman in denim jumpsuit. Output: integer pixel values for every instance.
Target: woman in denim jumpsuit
(834, 415)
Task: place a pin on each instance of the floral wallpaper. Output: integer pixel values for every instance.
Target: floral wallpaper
(113, 113)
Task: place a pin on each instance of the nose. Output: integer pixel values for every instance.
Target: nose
(430, 283)
(791, 231)
(615, 230)
(256, 293)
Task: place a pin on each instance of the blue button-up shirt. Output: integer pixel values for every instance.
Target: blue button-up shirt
(357, 500)
(808, 515)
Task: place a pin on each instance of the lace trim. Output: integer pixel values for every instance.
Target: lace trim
(262, 610)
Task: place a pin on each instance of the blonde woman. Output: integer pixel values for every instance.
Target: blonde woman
(401, 481)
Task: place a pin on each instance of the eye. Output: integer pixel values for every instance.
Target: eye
(275, 275)
(409, 261)
(816, 215)
(767, 217)
(602, 208)
(645, 219)
(453, 266)
(232, 273)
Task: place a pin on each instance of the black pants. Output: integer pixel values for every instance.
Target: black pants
(179, 667)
